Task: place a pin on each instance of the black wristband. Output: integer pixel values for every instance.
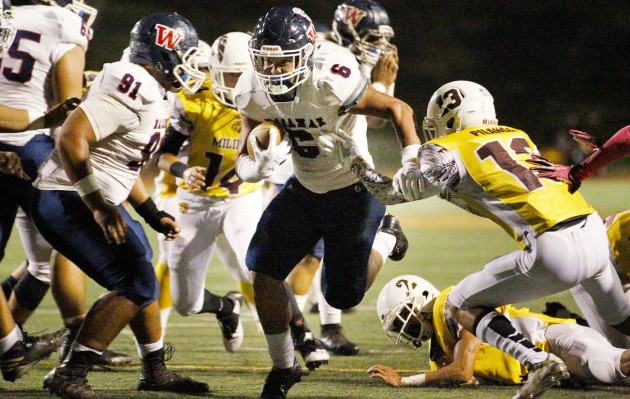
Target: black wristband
(147, 210)
(177, 169)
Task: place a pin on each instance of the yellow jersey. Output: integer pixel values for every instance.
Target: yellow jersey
(494, 181)
(619, 237)
(213, 130)
(491, 363)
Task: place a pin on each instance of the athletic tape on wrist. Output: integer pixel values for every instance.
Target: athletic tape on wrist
(87, 185)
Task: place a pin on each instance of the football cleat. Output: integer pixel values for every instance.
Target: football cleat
(111, 358)
(542, 376)
(336, 342)
(231, 325)
(391, 225)
(312, 350)
(156, 377)
(279, 382)
(69, 381)
(24, 354)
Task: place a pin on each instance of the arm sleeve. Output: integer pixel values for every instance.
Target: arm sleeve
(172, 142)
(438, 167)
(617, 147)
(107, 115)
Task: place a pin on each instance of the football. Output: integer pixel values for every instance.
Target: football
(262, 134)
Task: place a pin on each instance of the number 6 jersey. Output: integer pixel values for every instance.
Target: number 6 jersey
(333, 87)
(127, 109)
(483, 171)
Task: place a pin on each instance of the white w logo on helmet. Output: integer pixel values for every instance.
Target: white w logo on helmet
(167, 37)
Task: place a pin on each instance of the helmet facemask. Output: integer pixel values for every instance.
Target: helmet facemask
(7, 30)
(87, 13)
(264, 58)
(188, 74)
(406, 323)
(371, 44)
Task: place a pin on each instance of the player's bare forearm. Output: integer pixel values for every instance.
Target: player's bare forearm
(138, 193)
(13, 119)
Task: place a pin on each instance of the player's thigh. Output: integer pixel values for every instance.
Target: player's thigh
(288, 228)
(38, 250)
(348, 237)
(240, 220)
(193, 247)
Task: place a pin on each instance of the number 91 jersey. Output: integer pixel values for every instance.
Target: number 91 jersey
(320, 105)
(495, 181)
(128, 112)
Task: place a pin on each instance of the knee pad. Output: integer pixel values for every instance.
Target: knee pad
(30, 291)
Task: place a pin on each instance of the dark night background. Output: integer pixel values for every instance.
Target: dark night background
(550, 65)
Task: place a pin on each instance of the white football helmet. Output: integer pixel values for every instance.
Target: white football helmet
(7, 30)
(399, 307)
(229, 55)
(456, 106)
(204, 56)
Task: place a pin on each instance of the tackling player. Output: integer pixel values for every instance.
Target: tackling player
(412, 311)
(95, 166)
(483, 168)
(311, 90)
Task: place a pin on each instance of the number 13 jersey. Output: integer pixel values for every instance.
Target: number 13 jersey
(484, 171)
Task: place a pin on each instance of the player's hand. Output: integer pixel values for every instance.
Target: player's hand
(380, 186)
(386, 69)
(111, 222)
(326, 143)
(387, 374)
(348, 148)
(168, 226)
(408, 181)
(592, 143)
(58, 114)
(546, 169)
(11, 164)
(268, 160)
(195, 177)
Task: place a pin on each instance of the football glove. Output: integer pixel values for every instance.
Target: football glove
(586, 139)
(58, 114)
(348, 148)
(408, 180)
(378, 185)
(546, 169)
(268, 160)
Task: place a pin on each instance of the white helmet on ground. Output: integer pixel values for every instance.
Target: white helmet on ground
(229, 57)
(456, 106)
(399, 307)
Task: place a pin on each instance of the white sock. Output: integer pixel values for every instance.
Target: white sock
(384, 244)
(328, 314)
(145, 349)
(281, 349)
(77, 347)
(10, 339)
(301, 301)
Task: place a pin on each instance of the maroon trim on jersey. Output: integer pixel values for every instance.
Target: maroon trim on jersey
(617, 147)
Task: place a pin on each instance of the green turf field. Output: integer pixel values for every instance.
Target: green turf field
(445, 245)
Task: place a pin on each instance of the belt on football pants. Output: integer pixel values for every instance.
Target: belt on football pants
(569, 223)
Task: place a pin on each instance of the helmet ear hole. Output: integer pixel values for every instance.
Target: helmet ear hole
(450, 123)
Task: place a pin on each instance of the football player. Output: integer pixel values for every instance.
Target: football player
(362, 26)
(311, 90)
(214, 205)
(413, 311)
(99, 153)
(617, 147)
(482, 167)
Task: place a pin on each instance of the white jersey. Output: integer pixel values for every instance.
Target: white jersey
(127, 109)
(43, 35)
(334, 86)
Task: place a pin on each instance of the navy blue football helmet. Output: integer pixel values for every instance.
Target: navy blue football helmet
(168, 42)
(364, 27)
(7, 30)
(283, 33)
